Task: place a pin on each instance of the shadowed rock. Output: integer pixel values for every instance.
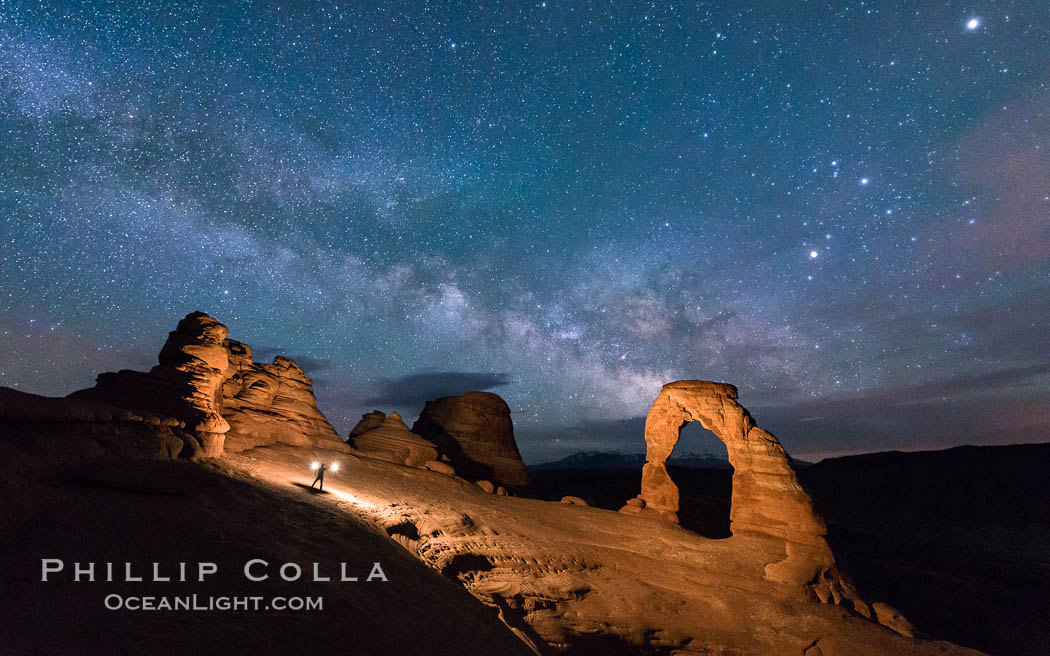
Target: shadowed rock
(368, 421)
(476, 432)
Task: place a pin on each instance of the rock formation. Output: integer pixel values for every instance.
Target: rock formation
(476, 432)
(50, 432)
(368, 421)
(185, 384)
(391, 440)
(212, 385)
(767, 499)
(268, 403)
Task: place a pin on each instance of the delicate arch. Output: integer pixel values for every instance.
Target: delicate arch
(767, 499)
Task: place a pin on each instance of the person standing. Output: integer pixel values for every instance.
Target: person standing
(320, 478)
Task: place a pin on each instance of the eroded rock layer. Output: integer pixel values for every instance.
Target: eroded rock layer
(185, 384)
(390, 440)
(219, 393)
(368, 421)
(476, 432)
(268, 403)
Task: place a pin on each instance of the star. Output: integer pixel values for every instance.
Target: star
(451, 179)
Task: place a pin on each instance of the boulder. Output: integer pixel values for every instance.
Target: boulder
(633, 506)
(891, 618)
(392, 441)
(476, 432)
(440, 467)
(486, 486)
(575, 501)
(271, 403)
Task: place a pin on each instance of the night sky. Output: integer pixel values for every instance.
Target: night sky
(841, 207)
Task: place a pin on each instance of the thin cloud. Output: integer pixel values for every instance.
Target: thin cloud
(418, 388)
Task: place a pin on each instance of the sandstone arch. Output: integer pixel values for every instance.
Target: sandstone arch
(768, 502)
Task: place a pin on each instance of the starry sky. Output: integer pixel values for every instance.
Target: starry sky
(841, 207)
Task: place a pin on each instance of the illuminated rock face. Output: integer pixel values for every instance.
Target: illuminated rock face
(185, 384)
(476, 432)
(224, 398)
(391, 440)
(767, 500)
(270, 403)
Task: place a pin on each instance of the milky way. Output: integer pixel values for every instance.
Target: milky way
(843, 208)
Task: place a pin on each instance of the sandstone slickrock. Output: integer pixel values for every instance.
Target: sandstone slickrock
(168, 512)
(767, 499)
(186, 384)
(42, 437)
(476, 432)
(269, 403)
(584, 580)
(391, 441)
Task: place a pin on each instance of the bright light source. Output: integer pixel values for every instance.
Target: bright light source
(335, 466)
(315, 465)
(973, 24)
(813, 254)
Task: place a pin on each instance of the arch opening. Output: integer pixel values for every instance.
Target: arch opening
(699, 466)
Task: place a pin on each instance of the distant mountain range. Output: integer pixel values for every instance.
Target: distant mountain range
(593, 460)
(602, 460)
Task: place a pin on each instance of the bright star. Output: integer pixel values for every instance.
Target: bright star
(864, 181)
(973, 24)
(813, 255)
